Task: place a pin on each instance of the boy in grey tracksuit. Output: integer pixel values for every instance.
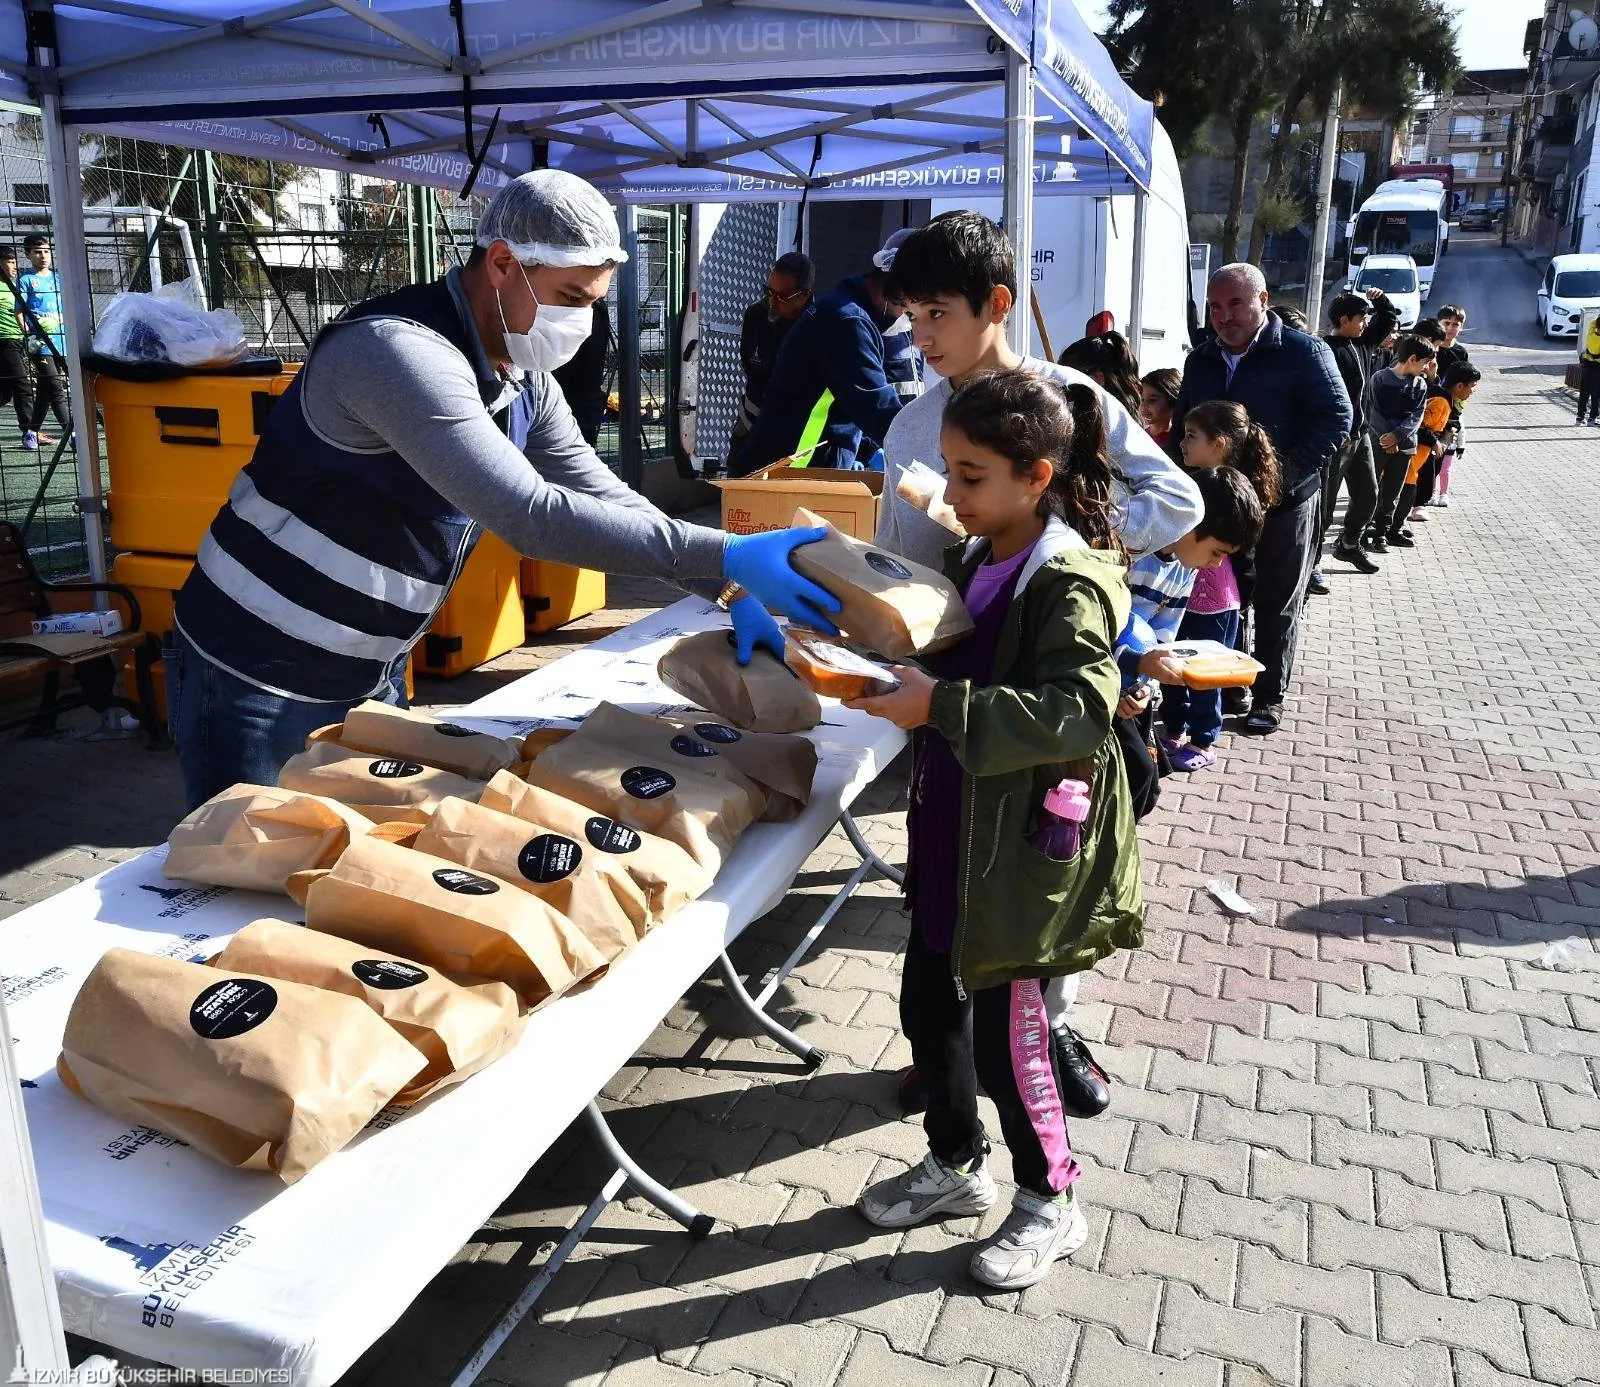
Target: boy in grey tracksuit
(1392, 406)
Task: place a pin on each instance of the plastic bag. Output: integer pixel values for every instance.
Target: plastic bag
(170, 325)
(922, 487)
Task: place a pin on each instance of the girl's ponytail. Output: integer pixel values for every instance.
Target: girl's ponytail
(1258, 460)
(1080, 490)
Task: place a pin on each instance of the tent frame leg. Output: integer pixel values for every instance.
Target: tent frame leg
(627, 1172)
(755, 1008)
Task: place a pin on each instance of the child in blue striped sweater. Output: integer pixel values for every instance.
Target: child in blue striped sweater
(1161, 583)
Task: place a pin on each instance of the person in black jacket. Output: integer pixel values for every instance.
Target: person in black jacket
(766, 323)
(583, 379)
(1291, 385)
(1360, 325)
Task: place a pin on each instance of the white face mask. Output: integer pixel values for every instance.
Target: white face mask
(554, 337)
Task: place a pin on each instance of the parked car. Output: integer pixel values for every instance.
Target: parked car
(1570, 285)
(1396, 275)
(1477, 216)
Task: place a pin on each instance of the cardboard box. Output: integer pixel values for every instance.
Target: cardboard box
(102, 623)
(767, 499)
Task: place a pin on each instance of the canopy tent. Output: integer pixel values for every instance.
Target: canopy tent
(674, 98)
(653, 100)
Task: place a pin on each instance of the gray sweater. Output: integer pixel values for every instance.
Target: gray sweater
(1158, 504)
(384, 383)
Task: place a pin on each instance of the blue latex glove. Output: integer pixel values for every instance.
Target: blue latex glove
(877, 462)
(760, 565)
(753, 626)
(1136, 640)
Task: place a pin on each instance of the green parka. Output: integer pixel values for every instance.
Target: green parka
(1045, 715)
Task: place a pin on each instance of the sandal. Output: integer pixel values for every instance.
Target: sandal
(1193, 758)
(1265, 719)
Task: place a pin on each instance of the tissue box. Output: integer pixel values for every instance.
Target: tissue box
(107, 623)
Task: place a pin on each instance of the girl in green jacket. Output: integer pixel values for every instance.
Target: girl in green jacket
(1000, 720)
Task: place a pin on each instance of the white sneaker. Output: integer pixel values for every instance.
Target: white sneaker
(929, 1190)
(1038, 1233)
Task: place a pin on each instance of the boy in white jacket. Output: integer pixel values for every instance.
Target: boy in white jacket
(957, 278)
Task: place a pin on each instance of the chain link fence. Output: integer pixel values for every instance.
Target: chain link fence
(287, 248)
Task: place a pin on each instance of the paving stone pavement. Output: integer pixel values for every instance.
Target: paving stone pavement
(1353, 1138)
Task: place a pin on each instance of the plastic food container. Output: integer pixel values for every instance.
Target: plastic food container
(834, 670)
(1212, 665)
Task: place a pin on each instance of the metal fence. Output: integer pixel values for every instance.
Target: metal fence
(288, 249)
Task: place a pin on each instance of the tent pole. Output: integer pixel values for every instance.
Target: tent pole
(1141, 242)
(630, 452)
(1019, 194)
(72, 264)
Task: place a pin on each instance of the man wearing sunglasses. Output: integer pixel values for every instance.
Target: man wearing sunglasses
(766, 323)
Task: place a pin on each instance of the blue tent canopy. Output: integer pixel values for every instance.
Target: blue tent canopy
(672, 100)
(652, 100)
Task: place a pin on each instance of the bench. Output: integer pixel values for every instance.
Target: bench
(87, 663)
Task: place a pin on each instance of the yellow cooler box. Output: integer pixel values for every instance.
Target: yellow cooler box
(154, 579)
(173, 449)
(554, 594)
(481, 618)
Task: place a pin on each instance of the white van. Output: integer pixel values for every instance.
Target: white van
(1570, 285)
(1405, 216)
(1396, 275)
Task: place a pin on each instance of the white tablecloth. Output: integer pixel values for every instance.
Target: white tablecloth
(163, 1253)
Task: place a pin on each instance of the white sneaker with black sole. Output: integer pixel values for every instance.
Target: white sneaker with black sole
(929, 1190)
(1036, 1235)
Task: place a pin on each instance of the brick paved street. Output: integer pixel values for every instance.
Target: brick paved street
(1353, 1139)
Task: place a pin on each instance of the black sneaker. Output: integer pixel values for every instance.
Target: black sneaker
(1353, 555)
(1085, 1086)
(1401, 539)
(1235, 702)
(1376, 544)
(1317, 585)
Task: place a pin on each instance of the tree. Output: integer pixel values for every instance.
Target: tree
(1205, 58)
(1384, 51)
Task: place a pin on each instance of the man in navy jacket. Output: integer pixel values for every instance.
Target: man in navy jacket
(1291, 385)
(837, 347)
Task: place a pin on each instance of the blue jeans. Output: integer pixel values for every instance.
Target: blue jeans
(229, 731)
(1198, 711)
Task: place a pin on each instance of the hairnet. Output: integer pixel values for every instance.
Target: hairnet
(551, 217)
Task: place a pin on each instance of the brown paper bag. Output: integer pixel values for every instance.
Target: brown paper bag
(459, 1027)
(408, 735)
(444, 916)
(590, 888)
(669, 877)
(381, 787)
(892, 606)
(255, 837)
(763, 696)
(629, 772)
(783, 765)
(259, 1075)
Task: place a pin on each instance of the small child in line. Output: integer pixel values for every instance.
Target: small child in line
(1218, 433)
(999, 903)
(1453, 317)
(1163, 582)
(1157, 395)
(1393, 405)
